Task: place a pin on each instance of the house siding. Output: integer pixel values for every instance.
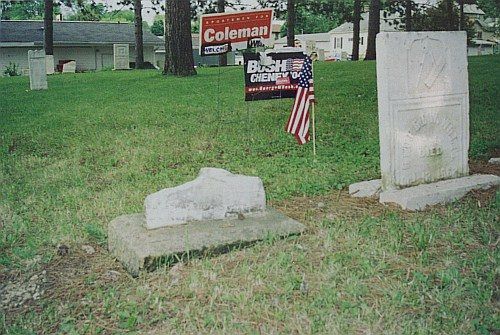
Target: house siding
(88, 58)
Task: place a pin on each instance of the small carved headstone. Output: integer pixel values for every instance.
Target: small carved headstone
(423, 105)
(49, 64)
(423, 100)
(37, 70)
(121, 56)
(69, 67)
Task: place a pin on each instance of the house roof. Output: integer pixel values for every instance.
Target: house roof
(347, 27)
(73, 33)
(472, 9)
(319, 37)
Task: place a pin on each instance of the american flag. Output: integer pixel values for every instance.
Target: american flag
(298, 122)
(294, 64)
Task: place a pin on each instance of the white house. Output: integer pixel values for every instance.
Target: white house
(341, 37)
(90, 44)
(318, 41)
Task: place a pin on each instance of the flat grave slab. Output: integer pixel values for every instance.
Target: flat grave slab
(139, 248)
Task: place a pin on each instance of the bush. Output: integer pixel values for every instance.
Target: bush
(12, 70)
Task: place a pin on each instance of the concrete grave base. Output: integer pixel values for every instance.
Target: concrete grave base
(368, 188)
(421, 196)
(494, 160)
(138, 248)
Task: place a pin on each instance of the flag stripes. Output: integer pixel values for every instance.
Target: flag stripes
(298, 122)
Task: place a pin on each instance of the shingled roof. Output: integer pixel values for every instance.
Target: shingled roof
(73, 33)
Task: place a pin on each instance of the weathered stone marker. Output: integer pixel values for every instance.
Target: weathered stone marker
(49, 64)
(121, 56)
(216, 194)
(423, 102)
(69, 67)
(37, 70)
(215, 211)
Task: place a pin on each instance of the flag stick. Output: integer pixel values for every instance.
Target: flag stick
(314, 130)
(313, 57)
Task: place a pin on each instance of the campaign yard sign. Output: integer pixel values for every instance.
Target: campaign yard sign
(275, 76)
(220, 30)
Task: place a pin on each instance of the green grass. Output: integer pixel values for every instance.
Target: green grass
(94, 145)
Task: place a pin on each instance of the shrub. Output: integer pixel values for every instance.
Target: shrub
(12, 70)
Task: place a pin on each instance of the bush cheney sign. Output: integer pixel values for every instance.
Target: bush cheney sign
(218, 31)
(273, 76)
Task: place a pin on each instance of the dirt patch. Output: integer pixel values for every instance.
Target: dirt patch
(337, 204)
(484, 167)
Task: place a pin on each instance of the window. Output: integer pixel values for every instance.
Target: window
(350, 39)
(335, 43)
(341, 43)
(361, 40)
(479, 34)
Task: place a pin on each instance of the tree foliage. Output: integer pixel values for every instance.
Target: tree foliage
(158, 28)
(25, 10)
(88, 11)
(313, 16)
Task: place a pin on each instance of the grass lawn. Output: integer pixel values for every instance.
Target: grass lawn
(95, 144)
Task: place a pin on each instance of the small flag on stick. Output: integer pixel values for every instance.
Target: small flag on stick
(298, 122)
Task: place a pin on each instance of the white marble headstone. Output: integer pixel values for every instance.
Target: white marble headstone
(121, 56)
(69, 67)
(37, 69)
(49, 64)
(423, 102)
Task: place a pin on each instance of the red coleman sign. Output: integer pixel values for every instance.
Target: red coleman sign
(219, 31)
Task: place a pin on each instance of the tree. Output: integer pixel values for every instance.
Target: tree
(158, 27)
(119, 16)
(139, 45)
(48, 27)
(373, 29)
(86, 10)
(221, 8)
(356, 28)
(408, 11)
(25, 10)
(178, 45)
(313, 16)
(290, 23)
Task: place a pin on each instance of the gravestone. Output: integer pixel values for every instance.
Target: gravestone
(423, 103)
(121, 56)
(216, 194)
(49, 64)
(69, 67)
(37, 70)
(213, 213)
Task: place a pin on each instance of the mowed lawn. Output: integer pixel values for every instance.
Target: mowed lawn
(95, 144)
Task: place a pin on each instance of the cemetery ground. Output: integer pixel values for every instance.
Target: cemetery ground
(95, 144)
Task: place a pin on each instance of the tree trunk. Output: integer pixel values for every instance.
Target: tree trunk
(290, 22)
(139, 46)
(462, 18)
(449, 14)
(178, 44)
(355, 32)
(408, 13)
(221, 8)
(373, 29)
(48, 27)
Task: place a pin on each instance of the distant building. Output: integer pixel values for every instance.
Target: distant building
(320, 42)
(90, 44)
(341, 37)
